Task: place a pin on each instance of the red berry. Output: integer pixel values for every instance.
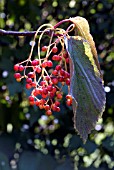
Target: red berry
(69, 102)
(59, 58)
(31, 74)
(67, 60)
(57, 103)
(44, 48)
(32, 103)
(62, 72)
(17, 75)
(38, 91)
(44, 95)
(61, 79)
(58, 109)
(38, 69)
(52, 94)
(58, 67)
(28, 86)
(47, 78)
(21, 68)
(49, 88)
(46, 107)
(54, 107)
(34, 92)
(59, 96)
(37, 103)
(67, 75)
(31, 98)
(54, 49)
(16, 67)
(68, 96)
(43, 83)
(33, 84)
(67, 81)
(54, 90)
(65, 55)
(54, 80)
(41, 106)
(45, 91)
(18, 80)
(35, 62)
(56, 57)
(55, 72)
(42, 101)
(44, 64)
(29, 80)
(49, 63)
(48, 112)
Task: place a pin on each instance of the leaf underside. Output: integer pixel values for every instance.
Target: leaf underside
(86, 86)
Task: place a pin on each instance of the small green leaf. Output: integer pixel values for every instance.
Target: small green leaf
(86, 86)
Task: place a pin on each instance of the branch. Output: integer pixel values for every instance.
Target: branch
(31, 33)
(17, 33)
(25, 33)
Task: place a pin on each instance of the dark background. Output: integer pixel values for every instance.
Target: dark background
(28, 139)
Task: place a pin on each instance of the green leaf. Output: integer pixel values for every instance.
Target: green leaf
(86, 86)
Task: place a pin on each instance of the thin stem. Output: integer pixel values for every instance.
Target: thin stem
(70, 28)
(47, 54)
(47, 29)
(39, 80)
(61, 22)
(46, 72)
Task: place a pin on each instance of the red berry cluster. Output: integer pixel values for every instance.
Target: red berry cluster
(46, 78)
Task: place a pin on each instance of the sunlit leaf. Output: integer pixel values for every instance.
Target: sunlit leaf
(83, 30)
(86, 86)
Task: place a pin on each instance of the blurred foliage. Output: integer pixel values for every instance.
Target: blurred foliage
(29, 139)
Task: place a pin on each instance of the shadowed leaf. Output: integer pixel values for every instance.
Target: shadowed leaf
(86, 86)
(36, 161)
(4, 163)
